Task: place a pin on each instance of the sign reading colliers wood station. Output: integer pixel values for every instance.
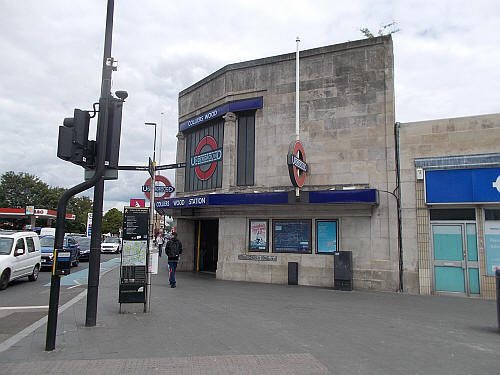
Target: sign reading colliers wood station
(297, 166)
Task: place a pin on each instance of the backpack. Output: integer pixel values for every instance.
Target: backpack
(174, 248)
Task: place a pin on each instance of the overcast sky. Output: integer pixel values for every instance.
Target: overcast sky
(446, 57)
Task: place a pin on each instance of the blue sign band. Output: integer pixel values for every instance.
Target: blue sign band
(344, 196)
(477, 185)
(242, 105)
(367, 196)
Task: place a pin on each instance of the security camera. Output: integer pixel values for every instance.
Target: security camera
(122, 95)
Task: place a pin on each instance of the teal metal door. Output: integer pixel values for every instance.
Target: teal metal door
(455, 259)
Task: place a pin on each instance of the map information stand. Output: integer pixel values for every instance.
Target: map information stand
(134, 260)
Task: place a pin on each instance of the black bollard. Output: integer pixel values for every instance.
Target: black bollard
(497, 273)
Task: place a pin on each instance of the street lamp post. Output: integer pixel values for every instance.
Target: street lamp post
(147, 306)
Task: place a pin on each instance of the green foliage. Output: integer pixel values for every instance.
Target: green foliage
(112, 221)
(80, 207)
(367, 33)
(390, 28)
(22, 189)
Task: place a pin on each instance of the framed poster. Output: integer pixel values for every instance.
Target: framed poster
(492, 245)
(326, 236)
(292, 236)
(258, 236)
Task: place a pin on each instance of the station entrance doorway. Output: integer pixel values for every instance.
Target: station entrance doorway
(207, 245)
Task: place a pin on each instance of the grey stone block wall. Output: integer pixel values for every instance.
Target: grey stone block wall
(186, 234)
(346, 112)
(347, 128)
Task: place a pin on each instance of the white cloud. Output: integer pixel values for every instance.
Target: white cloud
(446, 58)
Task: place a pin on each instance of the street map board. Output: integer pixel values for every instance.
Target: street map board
(134, 260)
(134, 253)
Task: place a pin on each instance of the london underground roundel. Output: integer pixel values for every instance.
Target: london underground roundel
(297, 166)
(163, 185)
(205, 158)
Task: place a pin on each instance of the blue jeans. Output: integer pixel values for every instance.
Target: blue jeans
(171, 272)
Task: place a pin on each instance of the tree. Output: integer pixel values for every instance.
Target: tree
(112, 221)
(21, 190)
(80, 207)
(390, 28)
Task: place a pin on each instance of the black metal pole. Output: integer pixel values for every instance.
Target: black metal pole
(102, 130)
(50, 338)
(95, 256)
(55, 281)
(497, 276)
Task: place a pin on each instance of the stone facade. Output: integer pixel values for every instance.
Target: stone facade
(467, 136)
(347, 129)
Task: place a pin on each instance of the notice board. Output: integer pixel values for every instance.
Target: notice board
(135, 223)
(134, 260)
(292, 236)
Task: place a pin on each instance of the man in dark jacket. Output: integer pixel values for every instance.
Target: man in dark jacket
(173, 249)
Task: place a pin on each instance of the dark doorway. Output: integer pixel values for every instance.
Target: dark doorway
(207, 245)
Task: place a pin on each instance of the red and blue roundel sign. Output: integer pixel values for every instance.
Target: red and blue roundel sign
(297, 166)
(205, 158)
(163, 186)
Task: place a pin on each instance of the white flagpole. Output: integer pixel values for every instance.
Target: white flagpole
(297, 100)
(297, 127)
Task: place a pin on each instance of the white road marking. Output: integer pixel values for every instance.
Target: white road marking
(77, 284)
(28, 330)
(23, 307)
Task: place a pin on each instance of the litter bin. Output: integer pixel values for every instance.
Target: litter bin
(293, 273)
(342, 270)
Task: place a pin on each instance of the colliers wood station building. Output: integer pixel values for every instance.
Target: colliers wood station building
(237, 210)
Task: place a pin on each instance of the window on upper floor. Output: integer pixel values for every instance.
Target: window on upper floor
(246, 149)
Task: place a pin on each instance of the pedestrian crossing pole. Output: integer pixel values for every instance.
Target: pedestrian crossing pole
(101, 138)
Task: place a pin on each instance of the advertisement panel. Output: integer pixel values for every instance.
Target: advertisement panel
(492, 245)
(258, 235)
(89, 224)
(326, 234)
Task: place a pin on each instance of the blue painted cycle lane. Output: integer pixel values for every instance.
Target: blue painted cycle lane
(81, 277)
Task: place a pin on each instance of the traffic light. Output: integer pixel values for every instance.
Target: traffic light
(114, 132)
(73, 138)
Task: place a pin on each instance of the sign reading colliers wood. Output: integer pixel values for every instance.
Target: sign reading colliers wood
(163, 187)
(297, 166)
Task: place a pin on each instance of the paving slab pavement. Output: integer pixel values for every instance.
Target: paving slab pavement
(209, 326)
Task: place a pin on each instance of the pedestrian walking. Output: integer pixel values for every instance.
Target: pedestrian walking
(173, 249)
(159, 242)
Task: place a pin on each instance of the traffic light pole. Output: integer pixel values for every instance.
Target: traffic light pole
(97, 181)
(101, 139)
(55, 281)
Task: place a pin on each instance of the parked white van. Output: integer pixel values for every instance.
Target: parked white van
(20, 256)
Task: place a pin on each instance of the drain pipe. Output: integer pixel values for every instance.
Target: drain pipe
(398, 203)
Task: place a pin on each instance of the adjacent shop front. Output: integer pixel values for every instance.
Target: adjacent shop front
(468, 199)
(451, 204)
